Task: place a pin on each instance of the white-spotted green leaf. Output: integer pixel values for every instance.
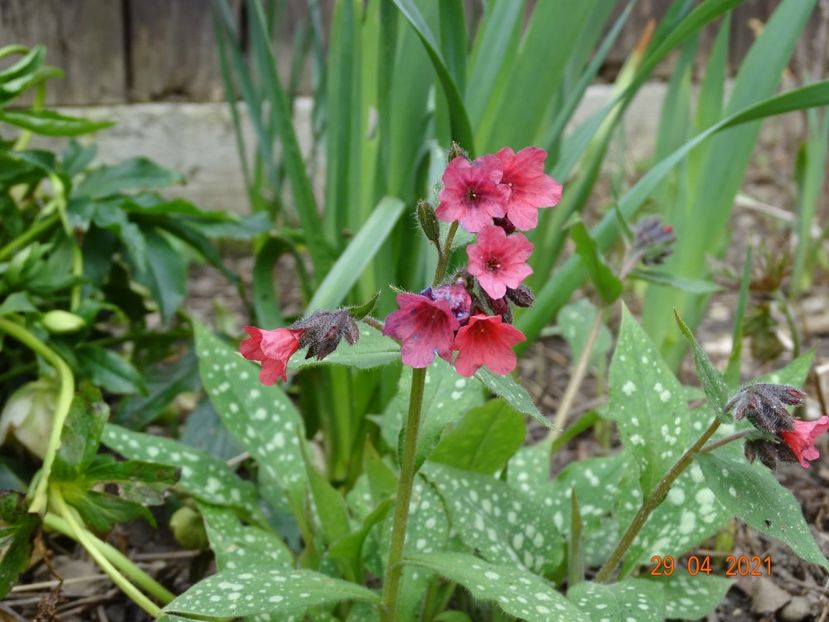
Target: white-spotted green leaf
(265, 590)
(712, 380)
(484, 439)
(647, 403)
(529, 471)
(262, 418)
(574, 323)
(690, 597)
(500, 523)
(446, 397)
(689, 514)
(372, 350)
(596, 482)
(513, 393)
(202, 476)
(515, 590)
(626, 601)
(751, 492)
(238, 546)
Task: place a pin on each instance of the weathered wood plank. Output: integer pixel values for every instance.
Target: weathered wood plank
(172, 51)
(85, 38)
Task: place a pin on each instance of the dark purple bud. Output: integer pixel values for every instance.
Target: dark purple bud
(652, 240)
(505, 224)
(769, 452)
(765, 406)
(498, 306)
(324, 330)
(521, 297)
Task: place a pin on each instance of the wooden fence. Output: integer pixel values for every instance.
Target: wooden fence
(115, 51)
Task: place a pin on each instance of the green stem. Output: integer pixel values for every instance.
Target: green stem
(651, 503)
(37, 104)
(443, 260)
(726, 440)
(391, 584)
(27, 236)
(83, 536)
(64, 401)
(116, 557)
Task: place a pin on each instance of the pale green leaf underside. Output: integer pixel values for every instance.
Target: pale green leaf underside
(372, 350)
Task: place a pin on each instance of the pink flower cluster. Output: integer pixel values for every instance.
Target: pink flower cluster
(491, 196)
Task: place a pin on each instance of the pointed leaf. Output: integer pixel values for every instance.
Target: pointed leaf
(513, 393)
(712, 380)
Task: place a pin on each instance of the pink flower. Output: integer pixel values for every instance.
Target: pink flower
(801, 440)
(460, 302)
(499, 260)
(424, 327)
(272, 348)
(530, 188)
(471, 193)
(486, 340)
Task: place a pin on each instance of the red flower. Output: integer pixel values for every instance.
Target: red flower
(499, 260)
(486, 340)
(272, 348)
(530, 188)
(801, 440)
(424, 327)
(471, 193)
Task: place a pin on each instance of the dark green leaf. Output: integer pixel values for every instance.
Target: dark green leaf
(16, 539)
(513, 393)
(109, 470)
(17, 302)
(109, 370)
(81, 434)
(109, 216)
(132, 174)
(102, 511)
(484, 440)
(50, 123)
(76, 157)
(166, 273)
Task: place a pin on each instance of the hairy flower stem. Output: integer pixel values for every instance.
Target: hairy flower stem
(391, 584)
(394, 570)
(443, 260)
(84, 537)
(652, 502)
(726, 440)
(64, 402)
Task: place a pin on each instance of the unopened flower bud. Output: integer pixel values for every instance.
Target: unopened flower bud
(323, 331)
(60, 322)
(770, 453)
(653, 240)
(765, 406)
(522, 296)
(456, 151)
(505, 224)
(428, 221)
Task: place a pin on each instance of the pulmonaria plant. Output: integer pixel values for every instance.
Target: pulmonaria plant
(491, 196)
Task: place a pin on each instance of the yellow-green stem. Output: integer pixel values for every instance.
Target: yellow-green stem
(391, 584)
(84, 537)
(116, 557)
(651, 503)
(443, 260)
(64, 402)
(27, 236)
